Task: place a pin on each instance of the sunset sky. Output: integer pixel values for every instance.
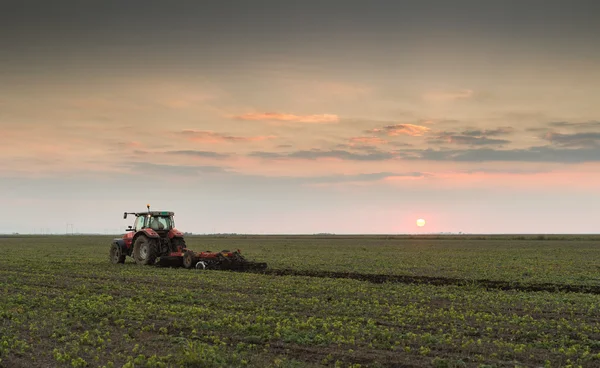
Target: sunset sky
(301, 116)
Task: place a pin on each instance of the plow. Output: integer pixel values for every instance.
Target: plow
(154, 240)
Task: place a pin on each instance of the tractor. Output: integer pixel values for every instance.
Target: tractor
(154, 240)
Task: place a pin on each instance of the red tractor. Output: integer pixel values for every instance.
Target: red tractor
(154, 240)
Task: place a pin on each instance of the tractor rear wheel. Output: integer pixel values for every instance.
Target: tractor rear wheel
(189, 259)
(116, 254)
(145, 250)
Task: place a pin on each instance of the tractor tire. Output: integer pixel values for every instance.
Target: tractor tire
(189, 259)
(176, 243)
(116, 254)
(145, 250)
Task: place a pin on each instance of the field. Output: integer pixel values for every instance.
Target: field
(362, 301)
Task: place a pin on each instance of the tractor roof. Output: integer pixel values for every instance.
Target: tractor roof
(155, 213)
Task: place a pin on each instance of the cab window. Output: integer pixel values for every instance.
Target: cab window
(160, 223)
(139, 223)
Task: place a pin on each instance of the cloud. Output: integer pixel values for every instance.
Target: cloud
(336, 154)
(275, 116)
(537, 129)
(448, 95)
(356, 147)
(207, 154)
(532, 154)
(451, 138)
(367, 140)
(194, 153)
(400, 129)
(343, 155)
(363, 144)
(503, 171)
(150, 168)
(129, 144)
(204, 136)
(262, 154)
(566, 124)
(362, 178)
(489, 132)
(472, 137)
(574, 140)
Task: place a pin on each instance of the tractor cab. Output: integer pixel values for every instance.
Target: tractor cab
(159, 221)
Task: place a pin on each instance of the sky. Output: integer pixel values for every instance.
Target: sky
(303, 117)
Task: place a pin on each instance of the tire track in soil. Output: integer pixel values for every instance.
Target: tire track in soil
(438, 281)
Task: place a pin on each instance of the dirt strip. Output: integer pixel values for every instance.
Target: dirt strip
(438, 281)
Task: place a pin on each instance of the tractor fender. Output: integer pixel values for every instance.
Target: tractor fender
(146, 232)
(128, 239)
(174, 233)
(121, 243)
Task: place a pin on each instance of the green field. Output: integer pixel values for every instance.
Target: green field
(363, 301)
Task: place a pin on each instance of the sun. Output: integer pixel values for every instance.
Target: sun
(420, 222)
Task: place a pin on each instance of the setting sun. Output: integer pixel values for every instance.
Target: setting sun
(420, 222)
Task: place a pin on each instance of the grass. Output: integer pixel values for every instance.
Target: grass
(63, 304)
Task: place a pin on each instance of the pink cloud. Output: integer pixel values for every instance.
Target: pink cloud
(275, 116)
(401, 129)
(367, 140)
(212, 137)
(402, 178)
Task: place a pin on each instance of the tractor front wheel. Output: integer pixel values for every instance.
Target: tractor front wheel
(116, 254)
(145, 250)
